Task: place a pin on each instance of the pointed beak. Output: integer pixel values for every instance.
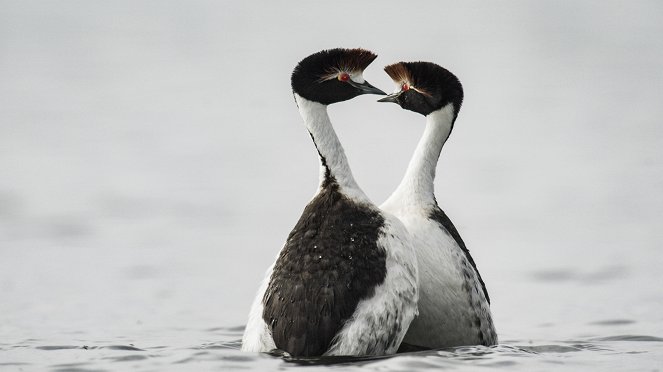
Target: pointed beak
(367, 88)
(390, 98)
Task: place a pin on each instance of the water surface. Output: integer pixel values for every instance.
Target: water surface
(152, 162)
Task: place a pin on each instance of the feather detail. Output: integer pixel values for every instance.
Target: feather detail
(429, 79)
(356, 60)
(351, 61)
(399, 73)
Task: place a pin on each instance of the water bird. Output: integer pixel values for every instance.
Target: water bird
(454, 306)
(345, 281)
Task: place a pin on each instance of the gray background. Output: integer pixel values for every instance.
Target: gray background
(152, 159)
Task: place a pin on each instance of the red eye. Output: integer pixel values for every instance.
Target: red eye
(405, 87)
(344, 76)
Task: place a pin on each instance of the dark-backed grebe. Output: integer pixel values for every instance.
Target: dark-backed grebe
(344, 283)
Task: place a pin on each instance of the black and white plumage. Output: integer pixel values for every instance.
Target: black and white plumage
(344, 283)
(454, 306)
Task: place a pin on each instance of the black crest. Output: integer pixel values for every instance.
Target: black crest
(315, 77)
(429, 86)
(329, 263)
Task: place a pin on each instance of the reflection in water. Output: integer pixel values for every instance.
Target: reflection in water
(597, 275)
(613, 322)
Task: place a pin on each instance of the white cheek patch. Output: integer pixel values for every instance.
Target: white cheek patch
(357, 77)
(399, 86)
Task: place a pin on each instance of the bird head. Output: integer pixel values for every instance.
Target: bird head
(333, 75)
(424, 87)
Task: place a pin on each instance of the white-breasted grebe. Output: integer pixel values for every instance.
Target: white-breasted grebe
(454, 307)
(345, 282)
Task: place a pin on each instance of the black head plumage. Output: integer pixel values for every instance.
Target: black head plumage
(424, 87)
(333, 75)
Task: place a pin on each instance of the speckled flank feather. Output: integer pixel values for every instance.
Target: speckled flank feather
(437, 214)
(380, 322)
(330, 262)
(478, 306)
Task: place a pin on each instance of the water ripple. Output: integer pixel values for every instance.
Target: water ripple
(123, 347)
(59, 347)
(630, 338)
(613, 322)
(127, 358)
(224, 353)
(234, 345)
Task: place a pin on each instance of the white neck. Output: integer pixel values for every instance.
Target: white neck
(329, 148)
(417, 187)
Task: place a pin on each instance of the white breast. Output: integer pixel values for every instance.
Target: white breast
(257, 336)
(380, 322)
(452, 308)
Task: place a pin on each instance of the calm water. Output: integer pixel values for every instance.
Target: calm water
(152, 162)
(218, 348)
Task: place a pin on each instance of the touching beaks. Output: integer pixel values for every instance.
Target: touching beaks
(366, 88)
(393, 98)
